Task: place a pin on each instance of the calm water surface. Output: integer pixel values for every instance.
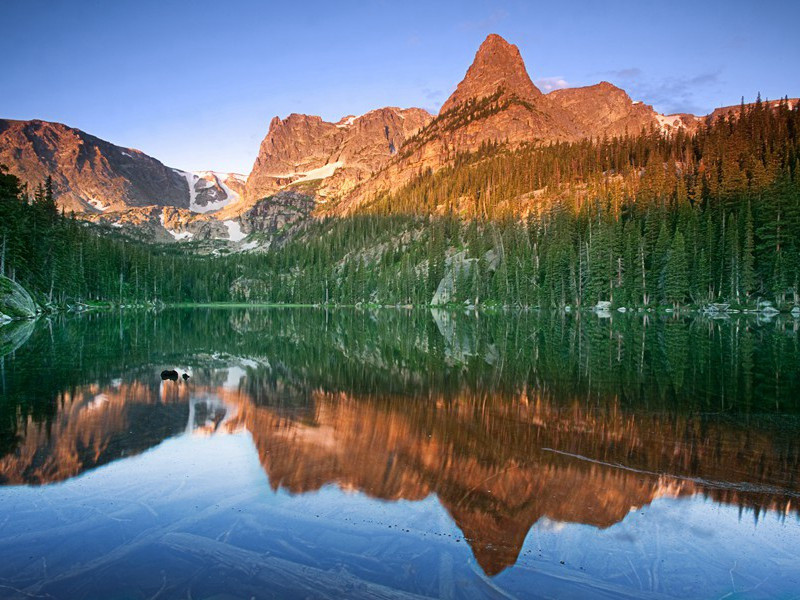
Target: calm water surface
(399, 454)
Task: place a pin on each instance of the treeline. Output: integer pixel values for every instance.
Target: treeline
(61, 259)
(648, 220)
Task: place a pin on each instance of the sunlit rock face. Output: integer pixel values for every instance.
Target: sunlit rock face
(332, 157)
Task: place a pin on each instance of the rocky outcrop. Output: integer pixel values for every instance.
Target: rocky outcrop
(15, 301)
(336, 156)
(604, 110)
(278, 216)
(497, 66)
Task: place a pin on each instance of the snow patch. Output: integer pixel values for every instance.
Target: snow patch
(190, 177)
(201, 180)
(347, 122)
(97, 204)
(320, 173)
(235, 233)
(669, 122)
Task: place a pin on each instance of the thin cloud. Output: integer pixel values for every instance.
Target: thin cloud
(548, 84)
(670, 95)
(629, 73)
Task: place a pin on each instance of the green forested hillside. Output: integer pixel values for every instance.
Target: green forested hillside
(61, 259)
(648, 220)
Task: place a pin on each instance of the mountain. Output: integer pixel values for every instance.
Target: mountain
(604, 110)
(497, 65)
(91, 175)
(335, 156)
(341, 165)
(115, 185)
(497, 102)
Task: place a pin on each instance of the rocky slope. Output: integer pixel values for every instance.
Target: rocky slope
(15, 301)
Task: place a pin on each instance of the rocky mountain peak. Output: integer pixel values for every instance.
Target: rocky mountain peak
(497, 65)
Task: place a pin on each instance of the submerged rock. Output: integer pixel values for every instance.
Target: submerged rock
(15, 301)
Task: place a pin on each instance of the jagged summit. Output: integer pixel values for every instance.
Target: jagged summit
(497, 65)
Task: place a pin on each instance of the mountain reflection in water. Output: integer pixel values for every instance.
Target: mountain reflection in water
(507, 421)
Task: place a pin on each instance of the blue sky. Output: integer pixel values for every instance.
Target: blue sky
(195, 84)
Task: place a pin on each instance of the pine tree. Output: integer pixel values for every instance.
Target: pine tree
(676, 275)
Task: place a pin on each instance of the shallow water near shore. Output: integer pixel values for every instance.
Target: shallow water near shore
(399, 454)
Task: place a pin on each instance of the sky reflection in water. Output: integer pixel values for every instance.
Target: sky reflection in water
(320, 455)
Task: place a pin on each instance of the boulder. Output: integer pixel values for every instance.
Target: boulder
(15, 301)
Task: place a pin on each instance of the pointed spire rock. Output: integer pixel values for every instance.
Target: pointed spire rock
(497, 65)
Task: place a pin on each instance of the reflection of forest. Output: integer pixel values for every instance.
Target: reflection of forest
(498, 462)
(507, 419)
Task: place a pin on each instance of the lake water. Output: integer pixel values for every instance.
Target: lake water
(399, 454)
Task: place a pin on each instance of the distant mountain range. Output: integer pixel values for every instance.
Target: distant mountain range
(340, 165)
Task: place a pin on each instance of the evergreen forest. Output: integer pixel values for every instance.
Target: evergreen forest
(647, 220)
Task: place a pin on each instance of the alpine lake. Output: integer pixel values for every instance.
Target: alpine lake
(400, 454)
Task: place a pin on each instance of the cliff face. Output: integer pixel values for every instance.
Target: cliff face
(497, 65)
(337, 156)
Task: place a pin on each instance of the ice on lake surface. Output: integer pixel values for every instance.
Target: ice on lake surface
(399, 454)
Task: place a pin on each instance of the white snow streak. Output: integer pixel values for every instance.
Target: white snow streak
(97, 204)
(235, 233)
(319, 173)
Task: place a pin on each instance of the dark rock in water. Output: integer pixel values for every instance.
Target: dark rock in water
(169, 374)
(186, 376)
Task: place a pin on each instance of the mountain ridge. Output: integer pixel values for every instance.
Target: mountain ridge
(341, 164)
